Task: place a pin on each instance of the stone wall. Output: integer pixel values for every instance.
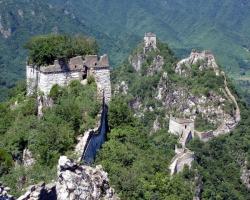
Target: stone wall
(47, 80)
(195, 57)
(77, 68)
(182, 159)
(102, 78)
(184, 129)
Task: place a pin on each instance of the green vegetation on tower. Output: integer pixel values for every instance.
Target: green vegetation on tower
(43, 50)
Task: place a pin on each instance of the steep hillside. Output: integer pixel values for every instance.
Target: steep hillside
(47, 138)
(155, 86)
(143, 158)
(218, 26)
(159, 86)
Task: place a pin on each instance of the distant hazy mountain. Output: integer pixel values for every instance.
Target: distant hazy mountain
(220, 26)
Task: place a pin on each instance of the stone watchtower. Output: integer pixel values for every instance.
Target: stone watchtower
(41, 79)
(149, 41)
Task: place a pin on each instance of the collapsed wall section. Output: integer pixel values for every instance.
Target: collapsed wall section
(179, 126)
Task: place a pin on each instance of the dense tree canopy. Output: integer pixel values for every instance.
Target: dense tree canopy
(43, 50)
(75, 110)
(138, 163)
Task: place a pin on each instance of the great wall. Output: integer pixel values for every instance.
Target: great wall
(40, 80)
(185, 128)
(80, 68)
(175, 98)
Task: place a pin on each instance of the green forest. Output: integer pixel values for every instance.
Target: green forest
(135, 157)
(48, 138)
(136, 160)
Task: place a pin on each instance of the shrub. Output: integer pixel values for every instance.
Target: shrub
(55, 92)
(119, 112)
(5, 162)
(91, 79)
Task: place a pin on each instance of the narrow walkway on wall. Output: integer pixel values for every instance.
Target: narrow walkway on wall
(225, 127)
(183, 155)
(232, 97)
(96, 140)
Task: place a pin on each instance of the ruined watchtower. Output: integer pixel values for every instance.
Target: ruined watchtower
(149, 41)
(62, 72)
(178, 126)
(184, 128)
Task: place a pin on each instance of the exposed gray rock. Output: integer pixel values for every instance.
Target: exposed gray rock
(43, 102)
(213, 107)
(40, 192)
(156, 66)
(6, 32)
(4, 193)
(156, 126)
(75, 182)
(20, 12)
(28, 159)
(137, 61)
(122, 88)
(205, 59)
(245, 176)
(82, 182)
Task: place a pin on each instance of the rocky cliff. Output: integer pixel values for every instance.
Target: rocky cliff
(74, 182)
(194, 88)
(4, 193)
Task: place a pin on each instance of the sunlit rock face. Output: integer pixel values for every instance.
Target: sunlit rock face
(74, 182)
(245, 176)
(82, 182)
(4, 193)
